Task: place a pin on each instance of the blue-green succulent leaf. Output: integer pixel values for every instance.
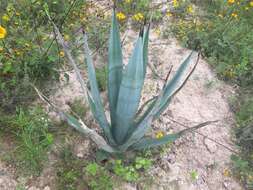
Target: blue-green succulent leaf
(115, 67)
(148, 142)
(151, 142)
(139, 131)
(174, 83)
(145, 49)
(130, 93)
(95, 99)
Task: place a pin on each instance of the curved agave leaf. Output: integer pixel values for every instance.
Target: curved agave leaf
(85, 130)
(139, 131)
(156, 107)
(173, 84)
(115, 67)
(95, 101)
(130, 93)
(149, 107)
(150, 142)
(145, 49)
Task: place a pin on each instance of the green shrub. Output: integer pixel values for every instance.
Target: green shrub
(222, 31)
(29, 53)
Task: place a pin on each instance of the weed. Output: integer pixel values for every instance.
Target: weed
(97, 177)
(101, 75)
(69, 171)
(79, 107)
(194, 175)
(131, 172)
(74, 173)
(32, 138)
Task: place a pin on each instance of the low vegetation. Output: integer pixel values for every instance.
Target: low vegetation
(30, 130)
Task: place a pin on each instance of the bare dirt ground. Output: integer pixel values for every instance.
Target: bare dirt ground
(194, 162)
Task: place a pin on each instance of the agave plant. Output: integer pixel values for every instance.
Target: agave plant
(128, 124)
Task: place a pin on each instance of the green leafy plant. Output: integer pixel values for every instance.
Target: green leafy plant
(69, 170)
(128, 173)
(131, 172)
(243, 169)
(128, 125)
(194, 175)
(97, 177)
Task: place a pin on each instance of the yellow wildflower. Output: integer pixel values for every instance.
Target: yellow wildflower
(226, 173)
(1, 49)
(66, 37)
(159, 134)
(168, 14)
(121, 16)
(175, 3)
(190, 9)
(18, 53)
(251, 4)
(3, 32)
(235, 15)
(247, 8)
(17, 14)
(231, 1)
(61, 54)
(138, 17)
(128, 1)
(6, 18)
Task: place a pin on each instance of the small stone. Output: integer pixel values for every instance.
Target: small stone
(47, 188)
(80, 155)
(171, 158)
(33, 188)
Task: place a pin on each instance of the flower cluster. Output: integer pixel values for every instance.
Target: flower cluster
(159, 134)
(138, 17)
(121, 16)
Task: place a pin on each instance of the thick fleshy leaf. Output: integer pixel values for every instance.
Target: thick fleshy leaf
(130, 93)
(150, 142)
(101, 143)
(149, 107)
(95, 101)
(150, 114)
(174, 83)
(145, 48)
(97, 116)
(115, 67)
(139, 131)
